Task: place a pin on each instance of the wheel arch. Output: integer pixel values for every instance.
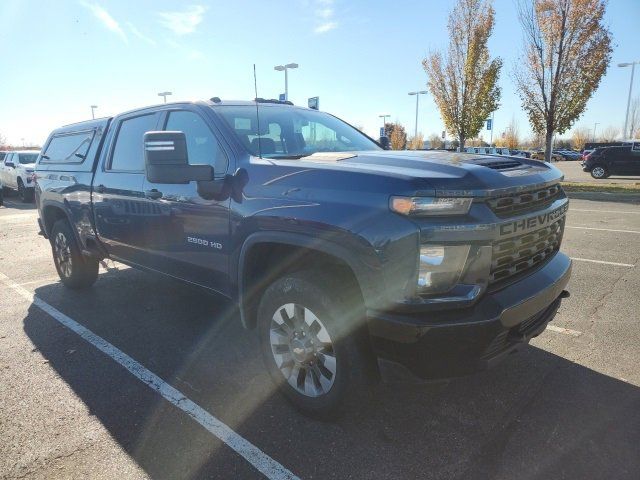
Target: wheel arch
(287, 252)
(51, 213)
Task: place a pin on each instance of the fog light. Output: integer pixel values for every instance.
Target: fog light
(440, 267)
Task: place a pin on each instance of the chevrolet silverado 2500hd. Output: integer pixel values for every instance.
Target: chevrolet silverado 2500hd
(338, 252)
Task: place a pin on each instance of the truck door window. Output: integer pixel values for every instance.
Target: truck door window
(202, 146)
(68, 148)
(128, 152)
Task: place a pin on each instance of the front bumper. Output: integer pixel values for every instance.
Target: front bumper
(457, 342)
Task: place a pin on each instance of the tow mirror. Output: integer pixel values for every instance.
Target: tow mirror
(166, 160)
(384, 142)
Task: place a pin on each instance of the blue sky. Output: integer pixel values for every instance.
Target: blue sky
(360, 57)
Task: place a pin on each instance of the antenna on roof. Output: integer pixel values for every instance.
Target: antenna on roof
(255, 86)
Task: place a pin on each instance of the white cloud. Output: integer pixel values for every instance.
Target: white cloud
(140, 35)
(106, 19)
(325, 27)
(185, 22)
(324, 16)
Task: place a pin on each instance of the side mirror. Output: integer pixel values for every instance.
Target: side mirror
(385, 142)
(10, 164)
(166, 160)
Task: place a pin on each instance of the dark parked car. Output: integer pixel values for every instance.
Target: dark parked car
(336, 251)
(603, 162)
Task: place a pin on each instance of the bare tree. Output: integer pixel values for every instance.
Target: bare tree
(580, 136)
(512, 135)
(609, 134)
(416, 143)
(3, 141)
(562, 38)
(464, 85)
(435, 141)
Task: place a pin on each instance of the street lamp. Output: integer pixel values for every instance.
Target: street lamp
(164, 95)
(286, 67)
(93, 109)
(417, 94)
(594, 130)
(384, 122)
(626, 117)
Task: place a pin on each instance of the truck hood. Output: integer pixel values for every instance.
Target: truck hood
(443, 172)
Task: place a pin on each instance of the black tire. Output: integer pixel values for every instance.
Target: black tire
(26, 194)
(350, 354)
(75, 270)
(599, 171)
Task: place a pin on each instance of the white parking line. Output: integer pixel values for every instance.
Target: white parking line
(616, 264)
(603, 229)
(603, 211)
(42, 280)
(256, 457)
(566, 331)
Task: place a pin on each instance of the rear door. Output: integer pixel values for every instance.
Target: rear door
(619, 159)
(117, 195)
(634, 159)
(187, 231)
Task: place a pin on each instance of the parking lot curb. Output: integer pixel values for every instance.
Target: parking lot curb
(605, 196)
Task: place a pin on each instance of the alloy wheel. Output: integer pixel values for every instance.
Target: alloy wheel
(598, 172)
(62, 251)
(303, 350)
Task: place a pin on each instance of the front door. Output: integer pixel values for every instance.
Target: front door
(118, 196)
(189, 235)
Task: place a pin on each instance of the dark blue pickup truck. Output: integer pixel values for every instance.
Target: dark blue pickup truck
(339, 253)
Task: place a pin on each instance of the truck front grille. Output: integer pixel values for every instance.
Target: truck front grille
(517, 203)
(524, 252)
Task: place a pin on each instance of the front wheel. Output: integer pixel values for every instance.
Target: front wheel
(599, 171)
(314, 345)
(75, 270)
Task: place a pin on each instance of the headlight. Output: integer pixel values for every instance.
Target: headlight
(440, 267)
(428, 206)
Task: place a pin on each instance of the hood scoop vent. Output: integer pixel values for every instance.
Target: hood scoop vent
(498, 164)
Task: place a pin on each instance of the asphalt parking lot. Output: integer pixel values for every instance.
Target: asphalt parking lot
(567, 406)
(573, 173)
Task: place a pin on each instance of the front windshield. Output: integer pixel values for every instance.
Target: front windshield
(27, 158)
(286, 132)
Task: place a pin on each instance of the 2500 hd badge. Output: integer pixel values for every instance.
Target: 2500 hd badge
(533, 222)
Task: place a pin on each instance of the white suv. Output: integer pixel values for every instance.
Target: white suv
(16, 172)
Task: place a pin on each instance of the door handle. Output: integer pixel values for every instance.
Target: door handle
(101, 188)
(153, 194)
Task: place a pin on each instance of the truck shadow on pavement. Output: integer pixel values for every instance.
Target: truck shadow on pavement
(537, 415)
(14, 203)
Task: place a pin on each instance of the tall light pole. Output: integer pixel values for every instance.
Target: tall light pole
(594, 130)
(93, 109)
(417, 94)
(286, 67)
(384, 122)
(164, 95)
(626, 117)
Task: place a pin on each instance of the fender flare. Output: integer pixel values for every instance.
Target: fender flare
(360, 271)
(65, 211)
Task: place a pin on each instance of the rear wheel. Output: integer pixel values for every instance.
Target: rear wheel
(314, 345)
(75, 270)
(26, 194)
(599, 171)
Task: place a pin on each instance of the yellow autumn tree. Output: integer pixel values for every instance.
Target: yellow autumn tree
(464, 84)
(567, 50)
